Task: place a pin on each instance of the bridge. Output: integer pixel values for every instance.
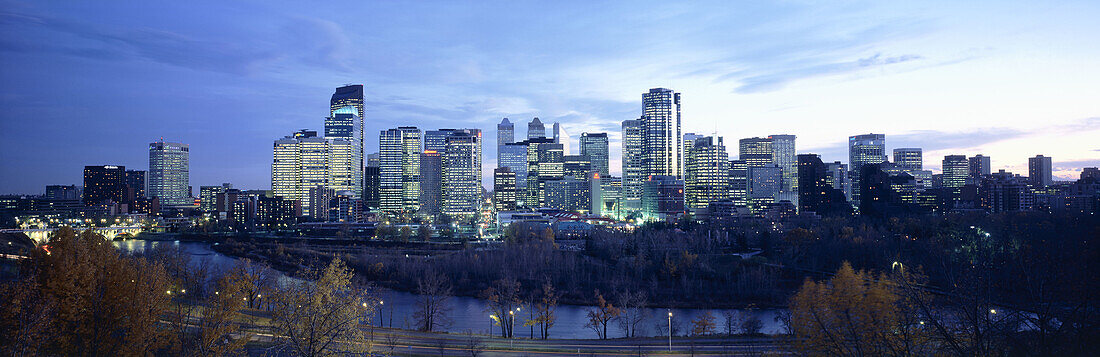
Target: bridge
(40, 235)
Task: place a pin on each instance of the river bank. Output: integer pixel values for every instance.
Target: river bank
(468, 313)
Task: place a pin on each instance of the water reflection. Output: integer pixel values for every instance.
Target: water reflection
(468, 314)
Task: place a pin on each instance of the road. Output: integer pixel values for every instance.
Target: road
(420, 343)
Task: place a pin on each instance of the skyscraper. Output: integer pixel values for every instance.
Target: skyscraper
(545, 162)
(979, 166)
(633, 164)
(562, 137)
(661, 133)
(783, 155)
(103, 183)
(346, 112)
(815, 193)
(134, 181)
(504, 189)
(345, 162)
(756, 152)
(576, 166)
(506, 134)
(399, 170)
(462, 174)
(349, 95)
(1039, 171)
(955, 171)
(866, 149)
(706, 173)
(300, 162)
(739, 183)
(862, 150)
(436, 140)
(662, 197)
(514, 157)
(535, 129)
(169, 173)
(431, 183)
(594, 147)
(909, 159)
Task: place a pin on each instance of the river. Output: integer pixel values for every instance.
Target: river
(468, 314)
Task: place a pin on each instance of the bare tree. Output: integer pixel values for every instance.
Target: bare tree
(503, 302)
(633, 310)
(600, 315)
(730, 321)
(433, 305)
(321, 316)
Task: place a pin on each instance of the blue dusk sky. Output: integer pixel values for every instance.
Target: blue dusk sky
(93, 82)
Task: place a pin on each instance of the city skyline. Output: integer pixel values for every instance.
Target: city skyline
(229, 109)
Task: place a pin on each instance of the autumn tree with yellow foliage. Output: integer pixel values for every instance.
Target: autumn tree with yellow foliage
(93, 300)
(855, 314)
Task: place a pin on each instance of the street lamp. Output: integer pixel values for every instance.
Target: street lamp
(512, 329)
(380, 302)
(491, 318)
(670, 330)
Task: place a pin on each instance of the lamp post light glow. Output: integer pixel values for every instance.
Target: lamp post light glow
(670, 330)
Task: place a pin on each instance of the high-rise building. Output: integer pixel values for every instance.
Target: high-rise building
(1039, 171)
(535, 129)
(739, 183)
(462, 174)
(169, 173)
(104, 183)
(562, 137)
(208, 197)
(661, 133)
(594, 147)
(815, 193)
(545, 163)
(633, 164)
(372, 182)
(706, 174)
(689, 141)
(373, 160)
(346, 115)
(344, 207)
(866, 149)
(514, 157)
(862, 150)
(506, 134)
(319, 202)
(301, 161)
(504, 189)
(436, 140)
(569, 194)
(345, 141)
(979, 166)
(62, 192)
(836, 174)
(399, 170)
(662, 197)
(764, 184)
(576, 166)
(1004, 192)
(1090, 173)
(909, 159)
(955, 171)
(606, 194)
(756, 152)
(783, 155)
(431, 182)
(135, 187)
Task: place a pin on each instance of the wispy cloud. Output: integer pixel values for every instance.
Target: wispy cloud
(762, 82)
